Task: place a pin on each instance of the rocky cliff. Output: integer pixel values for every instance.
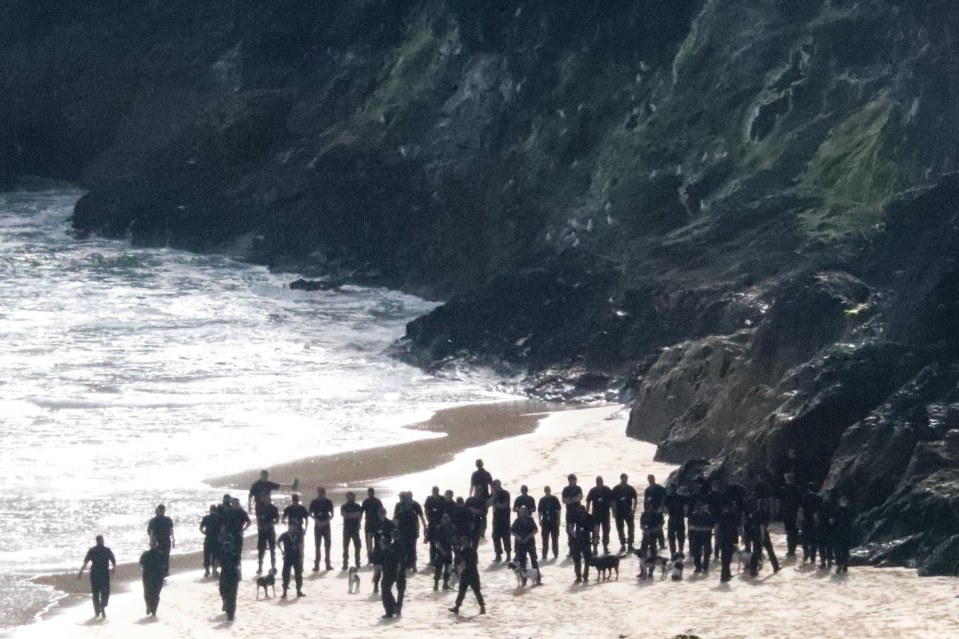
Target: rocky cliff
(740, 216)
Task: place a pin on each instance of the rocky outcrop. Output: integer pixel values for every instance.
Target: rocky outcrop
(740, 216)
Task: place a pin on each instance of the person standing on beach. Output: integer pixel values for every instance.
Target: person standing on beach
(261, 491)
(701, 525)
(469, 576)
(382, 539)
(549, 512)
(291, 547)
(582, 531)
(231, 548)
(267, 516)
(524, 531)
(727, 534)
(598, 502)
(811, 505)
(102, 565)
(624, 501)
(675, 506)
(233, 523)
(435, 507)
(790, 503)
(524, 500)
(408, 516)
(481, 484)
(351, 512)
(476, 506)
(160, 528)
(321, 509)
(210, 527)
(655, 495)
(572, 498)
(296, 513)
(500, 501)
(443, 537)
(151, 571)
(842, 519)
(394, 572)
(371, 519)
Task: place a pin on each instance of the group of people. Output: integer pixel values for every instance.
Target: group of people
(713, 518)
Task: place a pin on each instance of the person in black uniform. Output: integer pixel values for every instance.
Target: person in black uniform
(462, 518)
(371, 508)
(811, 505)
(598, 502)
(434, 507)
(524, 500)
(151, 571)
(524, 532)
(476, 506)
(549, 514)
(351, 512)
(394, 572)
(675, 506)
(160, 528)
(291, 547)
(824, 524)
(756, 528)
(230, 575)
(210, 527)
(727, 534)
(469, 576)
(842, 519)
(296, 513)
(581, 535)
(408, 515)
(572, 498)
(261, 491)
(624, 500)
(651, 526)
(701, 524)
(790, 503)
(443, 537)
(382, 539)
(102, 565)
(501, 502)
(321, 509)
(715, 502)
(233, 523)
(267, 516)
(655, 495)
(481, 483)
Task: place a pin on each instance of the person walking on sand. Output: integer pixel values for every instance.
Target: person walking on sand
(469, 576)
(371, 520)
(230, 574)
(351, 512)
(210, 527)
(151, 571)
(572, 496)
(394, 573)
(160, 528)
(102, 565)
(549, 512)
(321, 509)
(267, 516)
(291, 547)
(624, 500)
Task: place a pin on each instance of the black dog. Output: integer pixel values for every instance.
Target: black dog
(605, 565)
(266, 581)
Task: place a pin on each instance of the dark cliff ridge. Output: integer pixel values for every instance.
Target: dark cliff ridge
(741, 216)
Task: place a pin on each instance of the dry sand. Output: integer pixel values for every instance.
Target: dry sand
(797, 602)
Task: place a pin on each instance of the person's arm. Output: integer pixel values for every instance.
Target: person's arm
(172, 536)
(113, 563)
(83, 567)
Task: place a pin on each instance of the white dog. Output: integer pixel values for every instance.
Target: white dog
(354, 581)
(523, 575)
(743, 558)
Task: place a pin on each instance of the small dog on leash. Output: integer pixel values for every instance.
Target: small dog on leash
(605, 566)
(649, 563)
(353, 579)
(678, 565)
(743, 559)
(266, 581)
(523, 575)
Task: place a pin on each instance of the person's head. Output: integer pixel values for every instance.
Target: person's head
(479, 463)
(571, 478)
(623, 478)
(370, 492)
(651, 479)
(599, 481)
(497, 485)
(381, 513)
(295, 497)
(523, 511)
(790, 478)
(435, 491)
(264, 475)
(546, 490)
(459, 501)
(523, 489)
(161, 510)
(449, 495)
(99, 540)
(320, 491)
(350, 497)
(212, 508)
(235, 502)
(227, 499)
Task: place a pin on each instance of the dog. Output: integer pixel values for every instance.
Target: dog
(743, 559)
(454, 577)
(650, 562)
(678, 565)
(523, 575)
(605, 566)
(353, 581)
(266, 581)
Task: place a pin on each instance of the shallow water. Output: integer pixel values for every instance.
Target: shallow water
(129, 375)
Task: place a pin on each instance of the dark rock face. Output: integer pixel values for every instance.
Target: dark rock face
(743, 217)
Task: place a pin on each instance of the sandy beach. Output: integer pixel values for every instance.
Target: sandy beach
(797, 602)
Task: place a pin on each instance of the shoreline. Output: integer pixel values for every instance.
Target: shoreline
(463, 427)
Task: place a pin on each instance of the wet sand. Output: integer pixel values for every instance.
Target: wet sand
(463, 427)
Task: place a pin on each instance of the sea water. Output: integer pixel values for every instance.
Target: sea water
(129, 375)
